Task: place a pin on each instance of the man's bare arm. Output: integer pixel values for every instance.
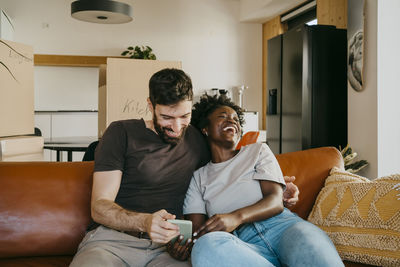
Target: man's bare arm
(105, 211)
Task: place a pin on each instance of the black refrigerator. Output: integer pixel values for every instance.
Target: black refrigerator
(307, 89)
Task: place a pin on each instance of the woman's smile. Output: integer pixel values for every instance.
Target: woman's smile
(231, 129)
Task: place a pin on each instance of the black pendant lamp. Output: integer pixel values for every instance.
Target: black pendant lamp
(101, 11)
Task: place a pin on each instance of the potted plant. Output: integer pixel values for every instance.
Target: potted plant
(139, 52)
(349, 164)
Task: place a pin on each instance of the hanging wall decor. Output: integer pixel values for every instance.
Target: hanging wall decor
(355, 39)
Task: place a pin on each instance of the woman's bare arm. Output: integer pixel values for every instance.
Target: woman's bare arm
(270, 205)
(197, 220)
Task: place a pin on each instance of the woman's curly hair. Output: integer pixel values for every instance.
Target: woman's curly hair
(207, 105)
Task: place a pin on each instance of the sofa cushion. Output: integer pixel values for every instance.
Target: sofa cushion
(362, 217)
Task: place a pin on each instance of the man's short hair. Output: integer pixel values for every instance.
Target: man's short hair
(170, 86)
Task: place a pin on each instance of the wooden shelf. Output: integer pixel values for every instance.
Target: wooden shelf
(69, 61)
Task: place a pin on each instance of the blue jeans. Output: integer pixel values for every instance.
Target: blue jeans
(283, 240)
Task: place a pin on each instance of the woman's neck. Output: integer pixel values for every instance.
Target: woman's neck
(221, 153)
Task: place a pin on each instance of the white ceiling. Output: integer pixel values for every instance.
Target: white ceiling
(255, 11)
(260, 11)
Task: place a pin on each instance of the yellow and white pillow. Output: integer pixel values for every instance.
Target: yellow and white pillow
(362, 217)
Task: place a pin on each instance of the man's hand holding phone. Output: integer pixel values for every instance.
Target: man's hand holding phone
(158, 228)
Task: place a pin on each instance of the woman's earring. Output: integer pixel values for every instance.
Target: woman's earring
(205, 133)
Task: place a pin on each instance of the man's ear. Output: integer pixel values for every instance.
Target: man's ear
(150, 105)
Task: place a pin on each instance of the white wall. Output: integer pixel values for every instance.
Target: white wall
(69, 88)
(362, 106)
(216, 50)
(388, 88)
(374, 131)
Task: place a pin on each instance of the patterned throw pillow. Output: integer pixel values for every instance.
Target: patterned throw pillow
(362, 217)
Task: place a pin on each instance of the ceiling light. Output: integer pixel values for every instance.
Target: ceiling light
(101, 11)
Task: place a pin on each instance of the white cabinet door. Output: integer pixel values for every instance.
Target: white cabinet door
(74, 124)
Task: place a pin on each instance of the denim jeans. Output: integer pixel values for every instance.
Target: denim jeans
(283, 240)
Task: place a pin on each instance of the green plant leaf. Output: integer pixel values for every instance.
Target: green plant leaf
(347, 151)
(139, 52)
(356, 166)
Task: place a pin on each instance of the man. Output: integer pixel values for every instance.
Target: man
(141, 174)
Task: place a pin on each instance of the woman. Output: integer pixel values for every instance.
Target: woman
(240, 191)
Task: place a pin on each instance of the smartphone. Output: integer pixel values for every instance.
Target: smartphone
(185, 229)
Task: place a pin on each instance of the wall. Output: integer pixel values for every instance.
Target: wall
(362, 106)
(214, 47)
(388, 87)
(373, 113)
(69, 88)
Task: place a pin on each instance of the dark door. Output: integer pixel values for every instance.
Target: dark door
(274, 81)
(324, 87)
(292, 60)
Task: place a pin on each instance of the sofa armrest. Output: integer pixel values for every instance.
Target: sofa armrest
(311, 167)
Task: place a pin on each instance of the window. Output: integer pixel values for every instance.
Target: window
(305, 14)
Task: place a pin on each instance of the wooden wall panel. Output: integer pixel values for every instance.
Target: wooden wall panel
(332, 12)
(69, 61)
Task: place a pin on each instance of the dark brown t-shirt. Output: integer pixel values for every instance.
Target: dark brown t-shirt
(155, 174)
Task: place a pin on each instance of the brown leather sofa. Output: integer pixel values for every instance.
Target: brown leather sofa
(45, 206)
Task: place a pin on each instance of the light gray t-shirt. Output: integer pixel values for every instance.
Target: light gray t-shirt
(233, 184)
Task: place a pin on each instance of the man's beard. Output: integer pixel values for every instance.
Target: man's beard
(161, 131)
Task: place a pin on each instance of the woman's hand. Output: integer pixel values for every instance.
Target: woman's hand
(291, 194)
(178, 251)
(219, 222)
